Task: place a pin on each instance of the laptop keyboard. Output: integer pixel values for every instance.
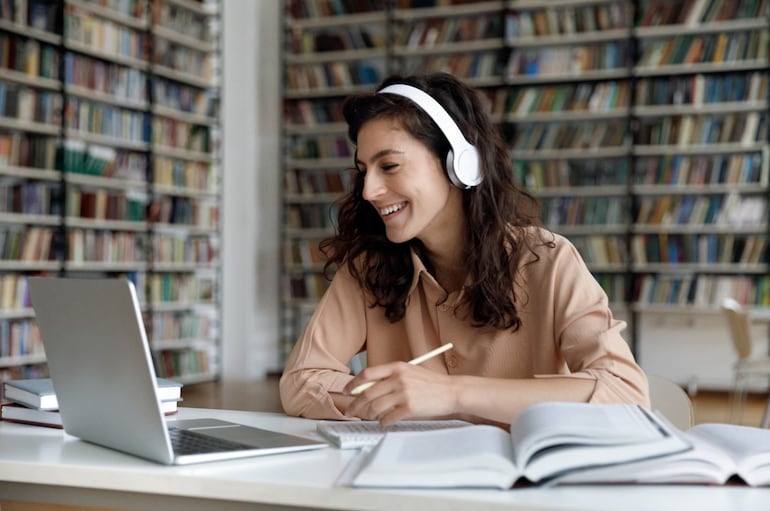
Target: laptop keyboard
(186, 442)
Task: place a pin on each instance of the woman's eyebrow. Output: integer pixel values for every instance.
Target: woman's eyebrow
(379, 154)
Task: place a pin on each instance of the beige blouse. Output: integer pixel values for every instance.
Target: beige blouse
(566, 328)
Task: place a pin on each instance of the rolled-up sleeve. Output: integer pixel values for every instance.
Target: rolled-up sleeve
(335, 332)
(588, 337)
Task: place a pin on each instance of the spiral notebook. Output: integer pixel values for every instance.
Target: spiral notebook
(355, 434)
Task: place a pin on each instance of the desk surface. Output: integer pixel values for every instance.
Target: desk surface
(46, 465)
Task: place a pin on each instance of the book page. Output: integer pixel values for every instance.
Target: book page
(748, 447)
(703, 464)
(552, 423)
(471, 456)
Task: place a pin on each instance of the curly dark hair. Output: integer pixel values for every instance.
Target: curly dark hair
(499, 212)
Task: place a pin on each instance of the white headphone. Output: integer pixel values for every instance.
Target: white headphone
(462, 162)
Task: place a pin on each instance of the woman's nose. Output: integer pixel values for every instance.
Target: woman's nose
(373, 185)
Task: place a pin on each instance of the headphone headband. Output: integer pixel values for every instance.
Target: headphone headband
(463, 159)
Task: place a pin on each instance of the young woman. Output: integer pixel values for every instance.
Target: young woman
(436, 244)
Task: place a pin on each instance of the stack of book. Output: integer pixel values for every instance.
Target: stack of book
(33, 401)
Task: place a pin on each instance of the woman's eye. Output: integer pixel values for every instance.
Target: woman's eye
(389, 166)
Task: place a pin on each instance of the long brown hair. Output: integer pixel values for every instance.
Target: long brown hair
(499, 212)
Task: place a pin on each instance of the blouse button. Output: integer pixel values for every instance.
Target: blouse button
(451, 361)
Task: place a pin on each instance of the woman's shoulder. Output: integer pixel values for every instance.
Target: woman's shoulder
(544, 244)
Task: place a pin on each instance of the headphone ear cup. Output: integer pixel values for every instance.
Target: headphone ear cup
(463, 168)
(450, 170)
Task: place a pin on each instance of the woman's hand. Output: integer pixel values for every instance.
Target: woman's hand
(401, 391)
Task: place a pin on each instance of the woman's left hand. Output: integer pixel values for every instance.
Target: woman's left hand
(401, 391)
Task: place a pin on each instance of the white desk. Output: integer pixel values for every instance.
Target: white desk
(46, 465)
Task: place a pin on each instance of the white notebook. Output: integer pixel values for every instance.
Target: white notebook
(355, 434)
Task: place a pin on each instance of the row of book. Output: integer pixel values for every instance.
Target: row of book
(20, 338)
(699, 249)
(718, 48)
(27, 197)
(310, 216)
(27, 150)
(572, 97)
(302, 252)
(537, 175)
(103, 204)
(350, 38)
(685, 130)
(307, 112)
(104, 35)
(701, 290)
(76, 156)
(333, 75)
(27, 104)
(119, 82)
(39, 14)
(615, 285)
(663, 12)
(28, 56)
(184, 59)
(432, 32)
(179, 288)
(302, 9)
(181, 363)
(180, 325)
(701, 89)
(731, 210)
(569, 60)
(184, 174)
(203, 214)
(87, 245)
(309, 183)
(602, 250)
(183, 249)
(14, 292)
(675, 169)
(587, 96)
(466, 65)
(182, 20)
(566, 211)
(107, 120)
(568, 19)
(26, 244)
(182, 97)
(305, 287)
(180, 134)
(577, 135)
(33, 401)
(321, 146)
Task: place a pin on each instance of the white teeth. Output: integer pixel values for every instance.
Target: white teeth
(390, 209)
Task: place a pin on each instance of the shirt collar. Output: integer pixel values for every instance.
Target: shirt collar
(419, 268)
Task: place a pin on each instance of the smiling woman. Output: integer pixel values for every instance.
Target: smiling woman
(435, 244)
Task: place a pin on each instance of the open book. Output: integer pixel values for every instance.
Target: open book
(546, 440)
(720, 452)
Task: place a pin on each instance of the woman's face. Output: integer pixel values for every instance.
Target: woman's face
(406, 184)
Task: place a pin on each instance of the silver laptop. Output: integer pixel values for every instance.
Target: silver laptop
(100, 363)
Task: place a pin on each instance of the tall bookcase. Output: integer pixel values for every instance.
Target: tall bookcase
(641, 125)
(110, 166)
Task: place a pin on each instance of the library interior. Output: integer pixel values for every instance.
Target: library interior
(198, 149)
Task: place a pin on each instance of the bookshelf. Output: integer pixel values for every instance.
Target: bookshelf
(330, 52)
(701, 172)
(567, 107)
(110, 166)
(641, 125)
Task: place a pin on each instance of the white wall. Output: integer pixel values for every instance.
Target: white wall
(251, 115)
(694, 350)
